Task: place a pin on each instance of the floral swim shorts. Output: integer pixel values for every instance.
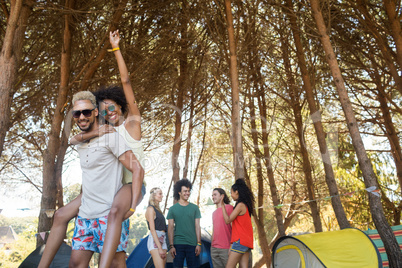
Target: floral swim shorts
(90, 233)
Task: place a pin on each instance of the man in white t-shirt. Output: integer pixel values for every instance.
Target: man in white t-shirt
(102, 160)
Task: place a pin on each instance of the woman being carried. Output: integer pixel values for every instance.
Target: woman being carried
(157, 227)
(114, 104)
(242, 230)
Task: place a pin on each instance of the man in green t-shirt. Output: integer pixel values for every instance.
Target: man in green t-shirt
(184, 227)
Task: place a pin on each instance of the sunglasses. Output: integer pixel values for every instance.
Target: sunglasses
(86, 113)
(110, 108)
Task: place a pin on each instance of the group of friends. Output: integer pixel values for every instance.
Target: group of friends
(111, 153)
(232, 237)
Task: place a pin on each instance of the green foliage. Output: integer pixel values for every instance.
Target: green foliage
(138, 230)
(350, 180)
(71, 192)
(346, 153)
(13, 254)
(21, 225)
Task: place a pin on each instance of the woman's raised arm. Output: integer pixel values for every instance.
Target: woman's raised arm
(133, 120)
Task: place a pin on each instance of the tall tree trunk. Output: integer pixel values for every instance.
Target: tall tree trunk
(395, 22)
(262, 238)
(315, 211)
(182, 87)
(316, 117)
(297, 112)
(270, 172)
(259, 263)
(292, 211)
(200, 186)
(10, 57)
(288, 219)
(391, 245)
(238, 158)
(191, 120)
(254, 83)
(259, 216)
(261, 233)
(204, 134)
(50, 182)
(177, 137)
(59, 168)
(189, 135)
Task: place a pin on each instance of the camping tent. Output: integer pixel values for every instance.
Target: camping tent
(7, 235)
(61, 259)
(373, 234)
(341, 249)
(140, 257)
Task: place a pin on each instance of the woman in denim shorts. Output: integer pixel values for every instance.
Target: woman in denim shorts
(242, 230)
(157, 227)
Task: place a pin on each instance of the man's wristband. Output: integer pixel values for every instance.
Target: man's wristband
(132, 210)
(199, 244)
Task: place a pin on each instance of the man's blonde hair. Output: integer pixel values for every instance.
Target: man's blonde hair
(85, 95)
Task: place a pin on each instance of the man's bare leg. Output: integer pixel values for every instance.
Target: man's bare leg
(80, 258)
(119, 260)
(58, 231)
(121, 204)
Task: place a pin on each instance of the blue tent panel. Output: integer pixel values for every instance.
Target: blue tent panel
(205, 256)
(140, 255)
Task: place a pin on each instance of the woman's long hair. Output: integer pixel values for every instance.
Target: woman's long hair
(222, 192)
(152, 201)
(245, 195)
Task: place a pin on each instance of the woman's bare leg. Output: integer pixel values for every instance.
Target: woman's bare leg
(59, 228)
(156, 258)
(234, 259)
(244, 260)
(121, 204)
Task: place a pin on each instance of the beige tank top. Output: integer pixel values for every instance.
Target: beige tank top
(136, 147)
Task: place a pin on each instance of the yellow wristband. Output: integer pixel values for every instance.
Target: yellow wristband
(113, 49)
(132, 210)
(198, 244)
